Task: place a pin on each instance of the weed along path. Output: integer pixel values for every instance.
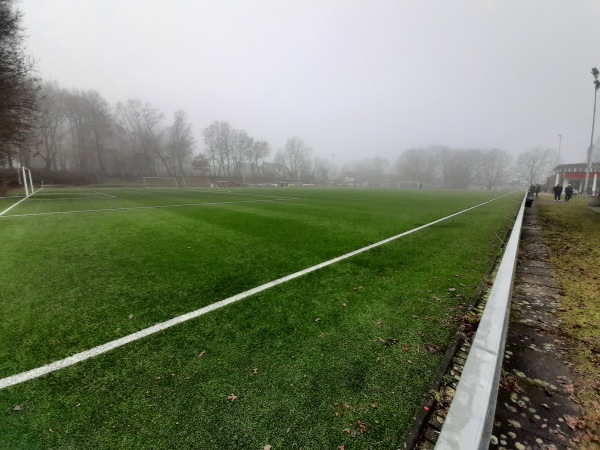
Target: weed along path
(104, 348)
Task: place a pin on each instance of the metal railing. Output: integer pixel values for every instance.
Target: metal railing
(470, 419)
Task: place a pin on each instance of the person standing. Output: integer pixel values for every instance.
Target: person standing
(538, 188)
(568, 193)
(557, 192)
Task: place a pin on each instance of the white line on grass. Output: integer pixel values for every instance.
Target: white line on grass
(22, 200)
(103, 193)
(59, 199)
(95, 351)
(139, 207)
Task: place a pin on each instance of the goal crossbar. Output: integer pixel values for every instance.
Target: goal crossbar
(150, 182)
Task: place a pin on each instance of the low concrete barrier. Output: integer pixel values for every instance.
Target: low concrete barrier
(470, 418)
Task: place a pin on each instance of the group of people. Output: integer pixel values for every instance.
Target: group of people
(535, 189)
(558, 189)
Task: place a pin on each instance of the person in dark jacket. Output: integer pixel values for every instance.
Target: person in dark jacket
(557, 192)
(568, 193)
(538, 188)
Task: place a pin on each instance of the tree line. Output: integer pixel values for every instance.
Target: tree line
(77, 131)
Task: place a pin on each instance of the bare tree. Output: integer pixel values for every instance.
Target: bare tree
(50, 120)
(99, 123)
(144, 125)
(256, 155)
(201, 164)
(533, 164)
(293, 155)
(411, 165)
(18, 87)
(181, 140)
(240, 144)
(322, 170)
(217, 138)
(419, 164)
(495, 164)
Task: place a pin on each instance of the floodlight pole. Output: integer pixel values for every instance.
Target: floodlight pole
(588, 165)
(559, 145)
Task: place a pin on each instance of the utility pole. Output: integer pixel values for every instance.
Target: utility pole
(588, 165)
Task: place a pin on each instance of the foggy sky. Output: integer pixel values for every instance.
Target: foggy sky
(352, 78)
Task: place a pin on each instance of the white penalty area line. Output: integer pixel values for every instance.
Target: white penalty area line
(15, 204)
(137, 207)
(95, 351)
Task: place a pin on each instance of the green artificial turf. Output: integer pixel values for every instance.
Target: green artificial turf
(341, 356)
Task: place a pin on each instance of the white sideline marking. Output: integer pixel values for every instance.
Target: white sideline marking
(100, 349)
(103, 193)
(138, 207)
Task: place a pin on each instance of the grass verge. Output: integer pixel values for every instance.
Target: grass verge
(571, 231)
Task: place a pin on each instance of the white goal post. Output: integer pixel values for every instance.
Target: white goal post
(26, 181)
(409, 184)
(160, 182)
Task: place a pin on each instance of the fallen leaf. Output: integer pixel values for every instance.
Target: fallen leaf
(514, 423)
(232, 397)
(388, 341)
(406, 348)
(254, 371)
(574, 422)
(130, 316)
(374, 405)
(318, 319)
(267, 447)
(434, 348)
(18, 408)
(451, 289)
(201, 354)
(322, 335)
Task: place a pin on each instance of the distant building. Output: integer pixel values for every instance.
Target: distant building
(565, 174)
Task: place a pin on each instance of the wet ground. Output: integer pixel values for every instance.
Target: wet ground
(536, 406)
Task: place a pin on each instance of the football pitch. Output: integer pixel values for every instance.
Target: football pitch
(325, 340)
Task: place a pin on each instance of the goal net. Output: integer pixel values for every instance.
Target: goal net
(191, 182)
(409, 185)
(160, 182)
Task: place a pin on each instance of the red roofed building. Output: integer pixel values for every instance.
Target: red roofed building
(565, 174)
